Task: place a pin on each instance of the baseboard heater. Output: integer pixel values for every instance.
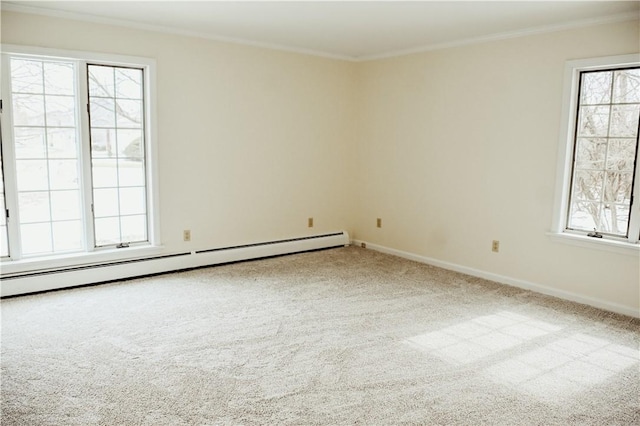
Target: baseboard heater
(52, 279)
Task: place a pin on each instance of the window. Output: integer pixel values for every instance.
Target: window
(77, 154)
(599, 153)
(46, 154)
(117, 154)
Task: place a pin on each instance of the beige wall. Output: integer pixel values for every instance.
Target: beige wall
(251, 141)
(459, 147)
(451, 148)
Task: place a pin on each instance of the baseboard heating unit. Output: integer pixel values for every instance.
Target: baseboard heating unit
(77, 275)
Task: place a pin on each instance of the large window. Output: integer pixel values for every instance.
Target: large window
(601, 177)
(76, 155)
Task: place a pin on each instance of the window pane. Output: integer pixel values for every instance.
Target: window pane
(32, 175)
(615, 219)
(63, 174)
(67, 236)
(102, 112)
(128, 83)
(59, 78)
(28, 110)
(26, 76)
(129, 113)
(65, 205)
(587, 185)
(34, 206)
(105, 202)
(36, 238)
(584, 216)
(30, 142)
(621, 154)
(590, 153)
(130, 173)
(596, 88)
(622, 214)
(618, 187)
(101, 81)
(62, 143)
(105, 173)
(103, 143)
(626, 86)
(107, 231)
(134, 228)
(60, 111)
(594, 121)
(130, 144)
(624, 120)
(132, 201)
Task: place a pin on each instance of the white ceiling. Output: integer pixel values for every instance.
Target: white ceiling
(353, 30)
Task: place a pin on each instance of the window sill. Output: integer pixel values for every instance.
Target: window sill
(604, 244)
(40, 264)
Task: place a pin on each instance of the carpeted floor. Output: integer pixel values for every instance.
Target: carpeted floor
(341, 336)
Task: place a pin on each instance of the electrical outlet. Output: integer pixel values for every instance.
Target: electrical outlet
(186, 235)
(495, 246)
(310, 222)
(379, 223)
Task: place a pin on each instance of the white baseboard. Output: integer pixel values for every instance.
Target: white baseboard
(514, 282)
(93, 274)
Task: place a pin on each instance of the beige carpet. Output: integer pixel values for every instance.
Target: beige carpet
(341, 336)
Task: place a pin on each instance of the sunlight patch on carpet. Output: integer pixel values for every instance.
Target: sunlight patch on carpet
(564, 367)
(481, 337)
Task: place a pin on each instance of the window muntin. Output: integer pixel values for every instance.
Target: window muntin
(117, 132)
(605, 151)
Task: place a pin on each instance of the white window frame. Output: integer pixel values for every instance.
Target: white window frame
(630, 245)
(91, 255)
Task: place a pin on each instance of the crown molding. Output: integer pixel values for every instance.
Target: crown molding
(629, 16)
(20, 8)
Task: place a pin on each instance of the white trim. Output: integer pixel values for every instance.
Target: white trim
(152, 154)
(79, 55)
(95, 272)
(604, 244)
(622, 17)
(12, 7)
(42, 263)
(502, 279)
(84, 136)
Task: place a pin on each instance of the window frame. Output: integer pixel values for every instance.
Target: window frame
(90, 254)
(566, 146)
(4, 209)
